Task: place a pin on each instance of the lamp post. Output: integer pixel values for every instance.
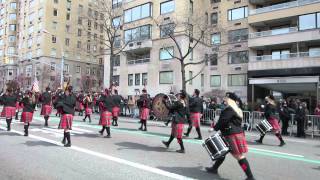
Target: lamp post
(62, 57)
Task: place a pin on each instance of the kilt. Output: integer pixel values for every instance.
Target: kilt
(237, 143)
(46, 110)
(177, 130)
(105, 118)
(9, 112)
(195, 119)
(115, 111)
(88, 111)
(274, 123)
(66, 121)
(81, 106)
(18, 106)
(144, 113)
(26, 117)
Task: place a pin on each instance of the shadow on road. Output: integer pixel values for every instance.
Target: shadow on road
(316, 168)
(38, 143)
(6, 133)
(193, 172)
(143, 147)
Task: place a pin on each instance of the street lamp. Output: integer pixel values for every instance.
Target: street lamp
(62, 57)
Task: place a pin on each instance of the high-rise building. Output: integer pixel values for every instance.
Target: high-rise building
(38, 35)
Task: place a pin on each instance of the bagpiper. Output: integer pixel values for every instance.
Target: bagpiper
(9, 101)
(144, 107)
(46, 109)
(117, 99)
(87, 102)
(105, 103)
(67, 105)
(29, 105)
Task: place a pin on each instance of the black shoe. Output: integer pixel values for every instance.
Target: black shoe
(140, 129)
(211, 170)
(63, 141)
(198, 138)
(107, 136)
(101, 132)
(250, 178)
(144, 129)
(165, 143)
(166, 124)
(258, 141)
(67, 145)
(116, 125)
(185, 134)
(180, 151)
(25, 134)
(282, 143)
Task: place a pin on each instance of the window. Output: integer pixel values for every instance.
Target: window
(212, 59)
(79, 20)
(166, 77)
(53, 52)
(237, 79)
(167, 7)
(190, 77)
(12, 16)
(139, 33)
(280, 54)
(116, 80)
(116, 22)
(12, 38)
(314, 52)
(66, 68)
(56, 1)
(238, 13)
(215, 81)
(88, 70)
(214, 18)
(68, 16)
(52, 66)
(215, 1)
(79, 32)
(54, 25)
(166, 30)
(116, 61)
(166, 53)
(13, 5)
(55, 12)
(67, 28)
(78, 69)
(130, 79)
(12, 27)
(202, 80)
(238, 35)
(191, 7)
(309, 21)
(40, 12)
(137, 13)
(238, 57)
(67, 41)
(54, 39)
(144, 79)
(79, 44)
(117, 41)
(216, 39)
(116, 3)
(137, 79)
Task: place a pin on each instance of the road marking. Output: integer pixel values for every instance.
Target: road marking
(291, 140)
(108, 157)
(264, 150)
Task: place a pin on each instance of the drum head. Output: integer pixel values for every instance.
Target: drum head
(158, 107)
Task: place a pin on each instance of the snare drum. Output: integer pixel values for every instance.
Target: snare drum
(216, 146)
(264, 126)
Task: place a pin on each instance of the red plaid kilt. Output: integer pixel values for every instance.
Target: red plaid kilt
(177, 130)
(81, 106)
(115, 111)
(59, 110)
(46, 110)
(26, 117)
(88, 111)
(195, 119)
(18, 107)
(9, 112)
(144, 113)
(237, 143)
(105, 118)
(275, 124)
(66, 121)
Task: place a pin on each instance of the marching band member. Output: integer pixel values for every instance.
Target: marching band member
(229, 125)
(46, 109)
(170, 115)
(179, 109)
(195, 108)
(80, 101)
(18, 107)
(144, 106)
(105, 102)
(270, 114)
(116, 108)
(29, 104)
(87, 102)
(9, 101)
(67, 104)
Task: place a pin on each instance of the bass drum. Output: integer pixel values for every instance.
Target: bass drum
(159, 108)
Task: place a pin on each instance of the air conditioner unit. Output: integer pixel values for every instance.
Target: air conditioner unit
(130, 44)
(139, 43)
(237, 68)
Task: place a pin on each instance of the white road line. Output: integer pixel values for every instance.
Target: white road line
(276, 152)
(290, 140)
(108, 157)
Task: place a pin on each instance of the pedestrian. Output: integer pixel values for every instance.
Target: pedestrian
(29, 105)
(196, 109)
(229, 124)
(131, 104)
(46, 108)
(67, 104)
(285, 116)
(9, 101)
(179, 109)
(317, 114)
(270, 115)
(105, 103)
(300, 118)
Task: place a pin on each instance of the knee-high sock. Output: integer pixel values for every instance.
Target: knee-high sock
(218, 162)
(103, 128)
(170, 139)
(199, 132)
(181, 143)
(108, 130)
(46, 118)
(261, 137)
(141, 121)
(64, 137)
(8, 124)
(145, 124)
(89, 118)
(68, 137)
(245, 167)
(189, 130)
(279, 137)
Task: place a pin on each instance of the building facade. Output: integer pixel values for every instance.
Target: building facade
(42, 33)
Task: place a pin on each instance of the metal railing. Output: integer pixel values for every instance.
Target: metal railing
(287, 56)
(138, 61)
(282, 6)
(273, 32)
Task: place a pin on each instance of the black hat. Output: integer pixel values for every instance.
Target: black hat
(232, 96)
(70, 88)
(47, 89)
(183, 94)
(197, 92)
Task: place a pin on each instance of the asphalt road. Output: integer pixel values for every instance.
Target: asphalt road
(132, 154)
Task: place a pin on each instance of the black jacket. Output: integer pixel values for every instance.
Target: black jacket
(270, 111)
(46, 98)
(9, 101)
(67, 103)
(117, 100)
(196, 105)
(144, 101)
(107, 102)
(284, 113)
(229, 122)
(179, 111)
(27, 105)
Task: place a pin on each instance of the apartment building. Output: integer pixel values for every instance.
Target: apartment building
(284, 48)
(47, 33)
(146, 62)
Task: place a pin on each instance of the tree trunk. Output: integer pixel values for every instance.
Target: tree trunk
(183, 76)
(111, 69)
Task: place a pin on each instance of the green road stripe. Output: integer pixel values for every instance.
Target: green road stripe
(192, 141)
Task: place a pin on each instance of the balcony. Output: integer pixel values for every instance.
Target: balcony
(138, 61)
(283, 10)
(282, 36)
(138, 45)
(285, 61)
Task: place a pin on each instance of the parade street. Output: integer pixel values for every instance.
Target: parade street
(133, 154)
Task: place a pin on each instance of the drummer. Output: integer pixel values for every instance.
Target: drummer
(229, 124)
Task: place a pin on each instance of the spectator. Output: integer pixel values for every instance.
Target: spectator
(300, 118)
(284, 114)
(131, 105)
(317, 113)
